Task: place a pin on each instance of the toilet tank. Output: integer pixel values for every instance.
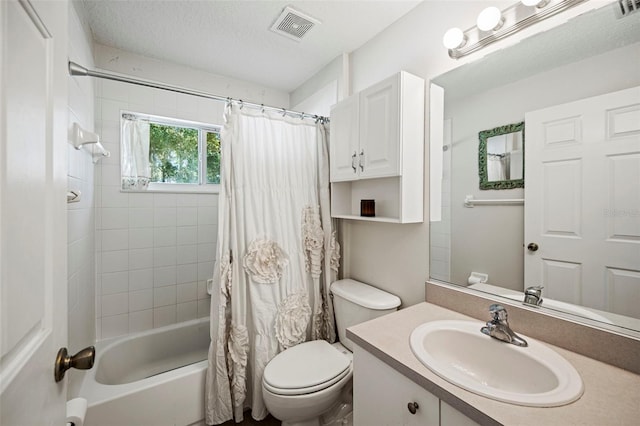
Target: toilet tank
(355, 302)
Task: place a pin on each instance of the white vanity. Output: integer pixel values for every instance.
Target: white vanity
(389, 378)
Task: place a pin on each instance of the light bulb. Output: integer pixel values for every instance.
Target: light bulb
(490, 19)
(536, 3)
(454, 38)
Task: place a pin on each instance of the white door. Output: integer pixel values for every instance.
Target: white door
(344, 140)
(380, 129)
(33, 129)
(582, 201)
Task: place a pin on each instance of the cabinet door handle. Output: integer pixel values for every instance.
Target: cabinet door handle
(353, 162)
(362, 160)
(413, 407)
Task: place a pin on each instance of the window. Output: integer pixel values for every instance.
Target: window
(173, 155)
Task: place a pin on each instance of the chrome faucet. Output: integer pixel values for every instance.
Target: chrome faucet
(533, 296)
(498, 327)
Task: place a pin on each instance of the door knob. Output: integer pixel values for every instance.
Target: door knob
(413, 407)
(83, 360)
(532, 247)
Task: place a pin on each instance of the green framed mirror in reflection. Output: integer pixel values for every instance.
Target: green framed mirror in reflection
(501, 157)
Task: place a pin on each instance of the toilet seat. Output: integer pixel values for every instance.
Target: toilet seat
(306, 368)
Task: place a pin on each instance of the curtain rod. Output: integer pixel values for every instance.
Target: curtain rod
(78, 70)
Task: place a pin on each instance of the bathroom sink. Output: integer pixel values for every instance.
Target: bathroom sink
(534, 376)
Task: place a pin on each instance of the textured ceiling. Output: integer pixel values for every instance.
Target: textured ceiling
(232, 38)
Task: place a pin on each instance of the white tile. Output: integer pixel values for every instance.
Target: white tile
(114, 326)
(114, 282)
(164, 200)
(207, 233)
(187, 254)
(164, 276)
(140, 300)
(140, 200)
(209, 200)
(204, 308)
(115, 90)
(186, 235)
(110, 175)
(111, 110)
(202, 290)
(115, 239)
(164, 216)
(187, 292)
(164, 256)
(206, 252)
(140, 238)
(98, 329)
(165, 315)
(187, 311)
(187, 200)
(205, 271)
(140, 321)
(141, 95)
(141, 218)
(163, 296)
(72, 292)
(140, 279)
(115, 261)
(165, 236)
(115, 218)
(187, 273)
(115, 304)
(187, 216)
(207, 215)
(141, 258)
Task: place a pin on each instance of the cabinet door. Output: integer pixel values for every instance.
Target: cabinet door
(343, 157)
(381, 396)
(379, 130)
(449, 416)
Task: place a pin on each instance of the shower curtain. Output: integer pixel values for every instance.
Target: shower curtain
(276, 254)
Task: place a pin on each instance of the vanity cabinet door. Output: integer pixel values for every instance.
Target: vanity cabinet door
(381, 396)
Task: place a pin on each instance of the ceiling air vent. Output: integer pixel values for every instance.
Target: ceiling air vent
(628, 6)
(293, 24)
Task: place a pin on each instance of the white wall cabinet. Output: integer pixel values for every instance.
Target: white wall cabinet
(381, 397)
(377, 151)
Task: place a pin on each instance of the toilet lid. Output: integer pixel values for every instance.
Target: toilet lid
(305, 368)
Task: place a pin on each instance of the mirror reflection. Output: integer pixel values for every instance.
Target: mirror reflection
(576, 230)
(501, 157)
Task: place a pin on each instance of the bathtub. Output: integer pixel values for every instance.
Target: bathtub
(151, 378)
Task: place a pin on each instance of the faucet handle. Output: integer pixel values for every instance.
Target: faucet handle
(498, 312)
(534, 290)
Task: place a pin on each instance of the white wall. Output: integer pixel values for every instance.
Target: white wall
(155, 251)
(490, 239)
(80, 216)
(396, 257)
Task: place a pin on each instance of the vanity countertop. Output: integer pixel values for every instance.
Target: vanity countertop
(610, 396)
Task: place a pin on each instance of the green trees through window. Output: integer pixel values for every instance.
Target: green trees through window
(175, 154)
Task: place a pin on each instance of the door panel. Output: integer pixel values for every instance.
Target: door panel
(33, 123)
(582, 201)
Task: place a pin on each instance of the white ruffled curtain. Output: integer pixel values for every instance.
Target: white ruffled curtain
(276, 254)
(134, 154)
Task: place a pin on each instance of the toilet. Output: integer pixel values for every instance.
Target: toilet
(304, 382)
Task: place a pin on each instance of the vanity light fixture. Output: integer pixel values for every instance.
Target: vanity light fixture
(493, 24)
(537, 3)
(490, 19)
(454, 38)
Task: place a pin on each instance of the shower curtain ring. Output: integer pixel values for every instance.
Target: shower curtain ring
(284, 112)
(241, 104)
(262, 108)
(302, 116)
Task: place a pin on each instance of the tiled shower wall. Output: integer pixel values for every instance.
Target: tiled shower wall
(155, 251)
(80, 215)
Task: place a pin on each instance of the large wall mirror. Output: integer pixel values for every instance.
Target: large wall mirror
(575, 226)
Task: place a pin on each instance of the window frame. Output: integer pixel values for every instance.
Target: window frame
(203, 128)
